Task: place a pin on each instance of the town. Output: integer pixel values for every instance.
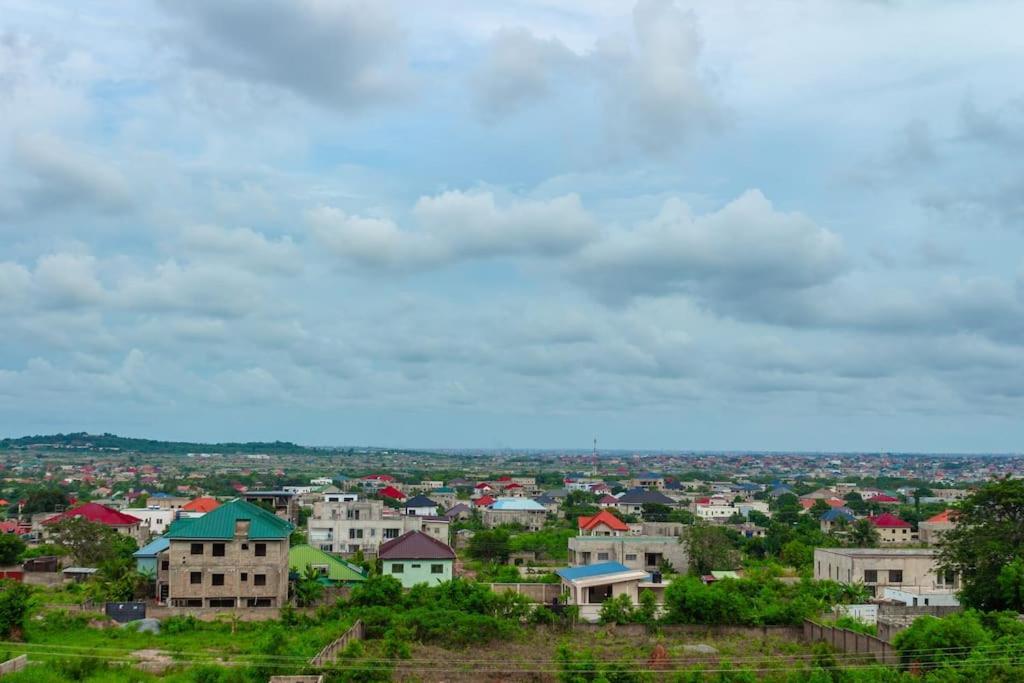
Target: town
(829, 551)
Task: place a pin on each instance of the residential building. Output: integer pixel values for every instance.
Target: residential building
(234, 556)
(200, 506)
(836, 517)
(284, 504)
(588, 587)
(525, 511)
(101, 514)
(362, 525)
(148, 561)
(604, 523)
(332, 570)
(632, 502)
(155, 519)
(648, 480)
(921, 598)
(166, 501)
(420, 506)
(892, 530)
(930, 531)
(647, 553)
(414, 557)
(878, 568)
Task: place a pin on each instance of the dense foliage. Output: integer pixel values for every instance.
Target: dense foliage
(986, 543)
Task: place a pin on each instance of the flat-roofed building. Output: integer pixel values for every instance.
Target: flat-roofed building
(647, 553)
(877, 568)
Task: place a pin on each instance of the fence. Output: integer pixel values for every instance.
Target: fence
(537, 592)
(12, 665)
(895, 618)
(330, 652)
(851, 642)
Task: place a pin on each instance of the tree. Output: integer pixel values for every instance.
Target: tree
(11, 548)
(44, 500)
(989, 535)
(490, 544)
(308, 588)
(710, 547)
(863, 534)
(14, 607)
(819, 508)
(92, 543)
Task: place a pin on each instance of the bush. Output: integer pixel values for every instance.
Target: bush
(449, 628)
(186, 624)
(618, 610)
(14, 608)
(378, 590)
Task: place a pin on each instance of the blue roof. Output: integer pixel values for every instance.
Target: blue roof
(516, 504)
(153, 548)
(590, 570)
(838, 513)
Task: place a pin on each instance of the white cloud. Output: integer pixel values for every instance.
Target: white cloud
(457, 226)
(653, 87)
(214, 289)
(245, 247)
(744, 248)
(68, 281)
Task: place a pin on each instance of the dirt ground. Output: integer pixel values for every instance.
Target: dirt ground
(533, 657)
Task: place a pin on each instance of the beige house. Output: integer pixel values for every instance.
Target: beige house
(348, 527)
(877, 568)
(930, 531)
(234, 556)
(644, 553)
(590, 586)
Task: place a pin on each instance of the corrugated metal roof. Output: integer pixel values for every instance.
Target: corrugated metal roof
(153, 548)
(590, 570)
(415, 545)
(301, 556)
(525, 504)
(220, 523)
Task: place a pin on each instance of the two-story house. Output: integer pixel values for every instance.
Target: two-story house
(233, 556)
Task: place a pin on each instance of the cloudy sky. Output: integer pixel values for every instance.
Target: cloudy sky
(735, 224)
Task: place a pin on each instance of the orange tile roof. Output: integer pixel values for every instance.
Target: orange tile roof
(944, 516)
(200, 505)
(603, 517)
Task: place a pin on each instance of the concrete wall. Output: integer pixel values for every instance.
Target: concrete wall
(848, 566)
(332, 650)
(532, 520)
(12, 665)
(852, 643)
(537, 592)
(629, 550)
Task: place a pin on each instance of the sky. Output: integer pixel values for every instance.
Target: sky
(787, 225)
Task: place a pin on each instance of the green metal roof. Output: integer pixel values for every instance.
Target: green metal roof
(338, 571)
(220, 523)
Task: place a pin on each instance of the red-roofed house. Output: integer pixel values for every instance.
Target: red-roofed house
(883, 499)
(202, 505)
(94, 512)
(604, 523)
(608, 501)
(515, 490)
(13, 526)
(392, 493)
(891, 529)
(808, 503)
(931, 529)
(483, 501)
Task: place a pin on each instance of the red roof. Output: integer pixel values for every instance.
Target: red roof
(94, 512)
(883, 498)
(603, 517)
(608, 499)
(888, 520)
(513, 486)
(379, 477)
(943, 517)
(200, 505)
(505, 478)
(482, 485)
(392, 492)
(12, 526)
(483, 501)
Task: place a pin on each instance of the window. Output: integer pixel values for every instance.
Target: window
(260, 602)
(870, 576)
(391, 533)
(261, 550)
(895, 576)
(197, 549)
(437, 569)
(218, 550)
(165, 565)
(245, 546)
(217, 579)
(415, 566)
(245, 576)
(352, 514)
(631, 557)
(397, 568)
(259, 579)
(602, 556)
(355, 533)
(195, 577)
(221, 602)
(321, 569)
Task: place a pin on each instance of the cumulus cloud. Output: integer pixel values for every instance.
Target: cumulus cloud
(654, 89)
(344, 55)
(457, 226)
(215, 289)
(60, 175)
(245, 247)
(745, 248)
(68, 280)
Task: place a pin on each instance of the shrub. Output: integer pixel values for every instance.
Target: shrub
(617, 610)
(186, 624)
(14, 608)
